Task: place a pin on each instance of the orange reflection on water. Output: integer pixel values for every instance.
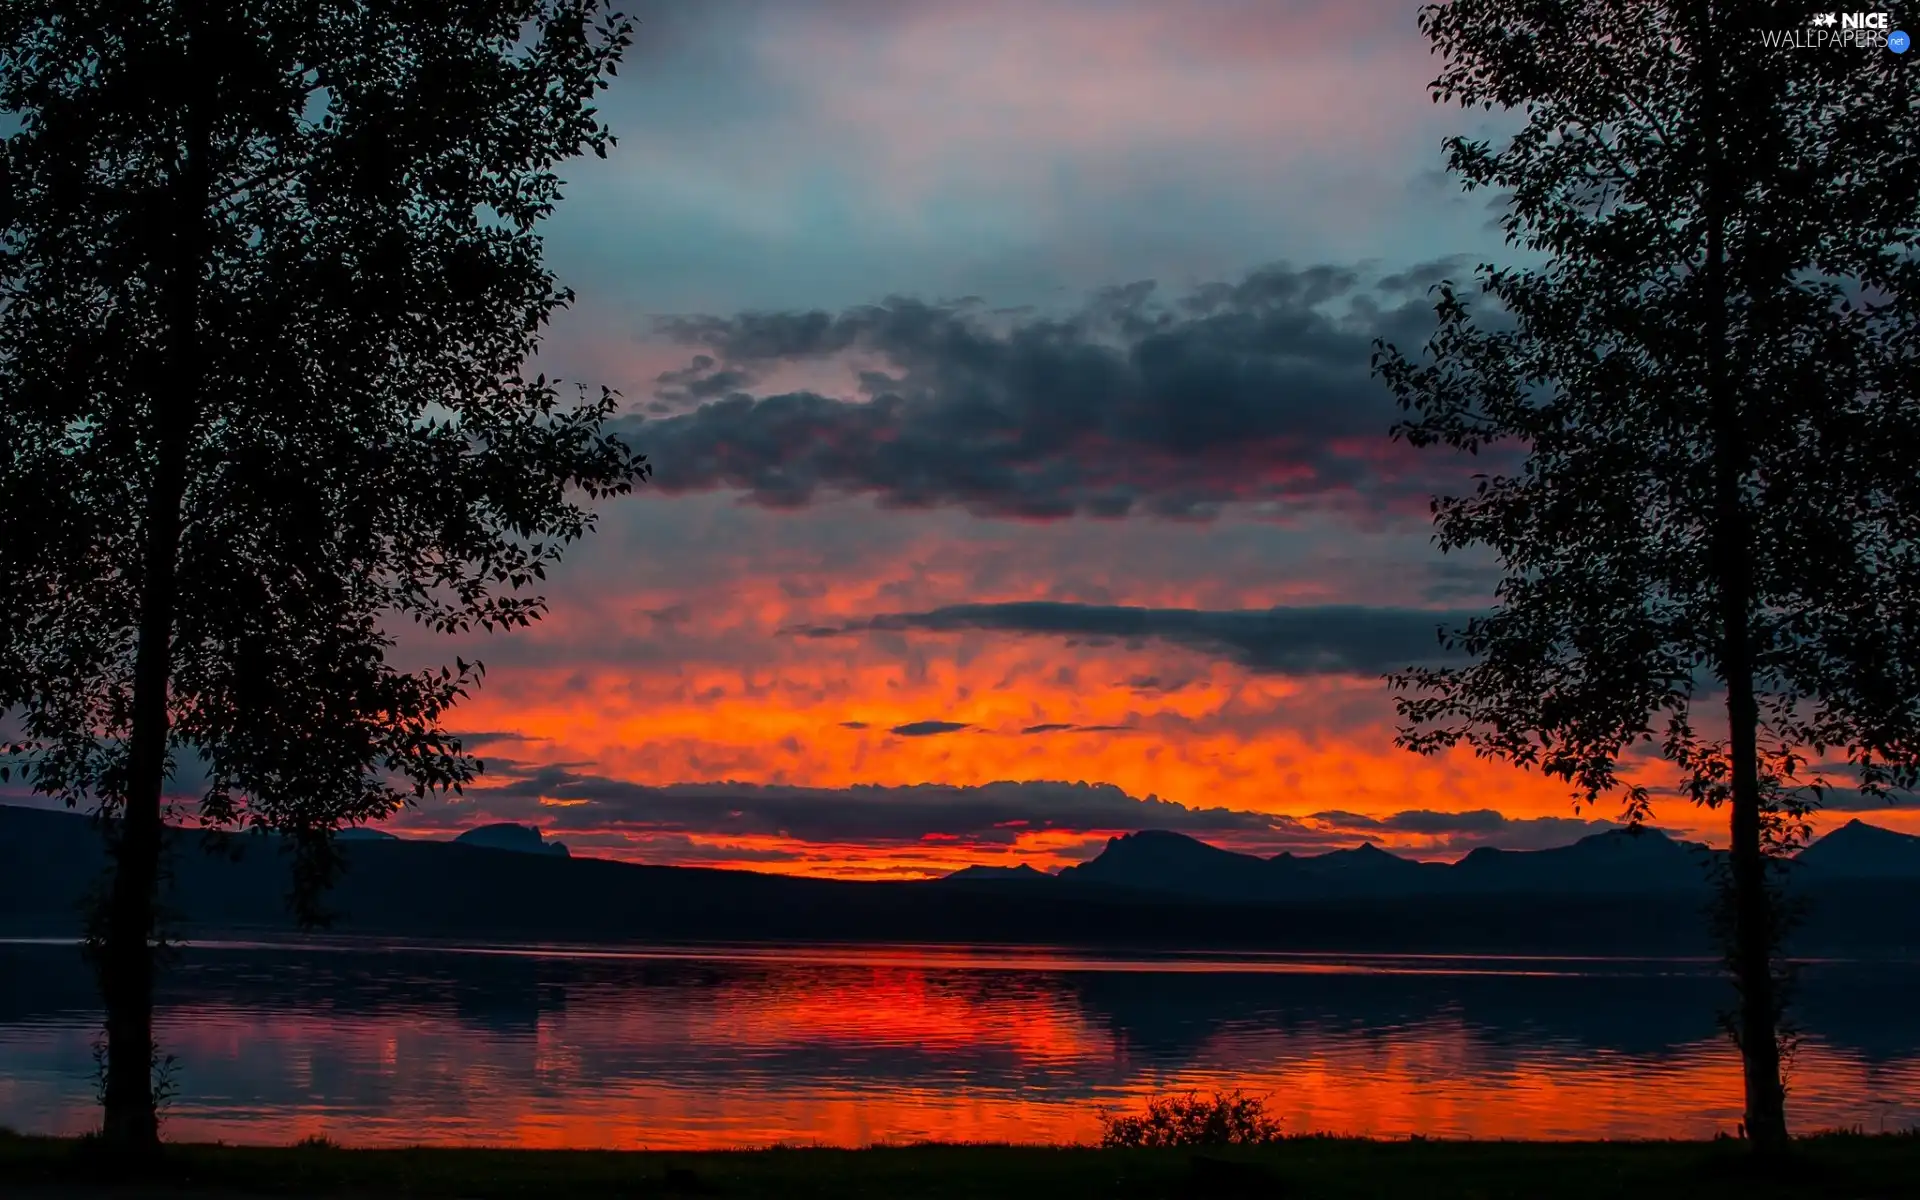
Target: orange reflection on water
(697, 1049)
(1436, 1085)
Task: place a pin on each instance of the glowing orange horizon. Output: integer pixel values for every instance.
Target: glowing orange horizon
(729, 672)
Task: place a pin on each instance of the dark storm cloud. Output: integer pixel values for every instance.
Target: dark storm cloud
(1482, 820)
(699, 380)
(1419, 820)
(1469, 830)
(478, 740)
(995, 812)
(1853, 800)
(1254, 391)
(568, 803)
(928, 728)
(1332, 640)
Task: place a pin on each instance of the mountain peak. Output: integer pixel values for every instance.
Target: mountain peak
(506, 835)
(984, 871)
(1366, 853)
(1629, 833)
(1162, 836)
(1162, 860)
(1639, 841)
(1858, 850)
(1858, 830)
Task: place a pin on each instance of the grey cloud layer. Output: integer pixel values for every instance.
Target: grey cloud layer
(1467, 830)
(928, 728)
(1297, 641)
(873, 814)
(988, 815)
(1257, 391)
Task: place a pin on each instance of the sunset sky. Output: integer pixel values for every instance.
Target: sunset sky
(1001, 365)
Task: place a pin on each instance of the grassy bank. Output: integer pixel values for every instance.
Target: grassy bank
(1833, 1166)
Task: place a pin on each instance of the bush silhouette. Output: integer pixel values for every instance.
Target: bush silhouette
(1223, 1119)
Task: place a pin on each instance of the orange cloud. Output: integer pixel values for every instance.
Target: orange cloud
(662, 682)
(671, 658)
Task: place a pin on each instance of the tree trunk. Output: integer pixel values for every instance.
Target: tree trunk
(130, 1122)
(1753, 919)
(127, 959)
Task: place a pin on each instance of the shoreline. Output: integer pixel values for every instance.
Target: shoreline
(1834, 1164)
(989, 954)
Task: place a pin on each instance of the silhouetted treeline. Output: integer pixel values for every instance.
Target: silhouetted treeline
(445, 890)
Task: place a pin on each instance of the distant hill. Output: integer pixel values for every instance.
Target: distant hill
(1159, 860)
(1858, 850)
(1365, 870)
(1611, 894)
(1020, 874)
(521, 839)
(1621, 861)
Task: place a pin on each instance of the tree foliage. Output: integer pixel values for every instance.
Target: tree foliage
(269, 273)
(1190, 1119)
(1709, 382)
(361, 442)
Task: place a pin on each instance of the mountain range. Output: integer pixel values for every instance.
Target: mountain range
(1612, 893)
(1619, 861)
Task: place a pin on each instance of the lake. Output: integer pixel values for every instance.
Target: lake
(396, 1044)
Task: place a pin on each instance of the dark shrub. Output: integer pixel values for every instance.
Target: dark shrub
(1223, 1119)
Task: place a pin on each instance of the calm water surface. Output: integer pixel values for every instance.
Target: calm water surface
(385, 1044)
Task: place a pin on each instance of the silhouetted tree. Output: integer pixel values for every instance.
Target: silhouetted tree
(270, 275)
(1223, 1119)
(1707, 379)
